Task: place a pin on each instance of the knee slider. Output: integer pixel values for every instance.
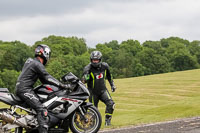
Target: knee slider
(111, 104)
(44, 113)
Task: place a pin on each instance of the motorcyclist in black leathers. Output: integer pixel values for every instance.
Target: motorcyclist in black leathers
(32, 70)
(95, 75)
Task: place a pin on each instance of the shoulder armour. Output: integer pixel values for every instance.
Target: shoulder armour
(87, 68)
(105, 64)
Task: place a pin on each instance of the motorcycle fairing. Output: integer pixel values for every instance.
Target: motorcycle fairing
(74, 103)
(4, 90)
(45, 89)
(7, 98)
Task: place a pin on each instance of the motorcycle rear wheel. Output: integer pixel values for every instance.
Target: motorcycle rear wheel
(79, 125)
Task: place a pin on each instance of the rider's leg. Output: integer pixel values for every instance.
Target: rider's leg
(33, 101)
(94, 99)
(106, 98)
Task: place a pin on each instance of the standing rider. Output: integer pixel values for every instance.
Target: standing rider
(95, 75)
(32, 70)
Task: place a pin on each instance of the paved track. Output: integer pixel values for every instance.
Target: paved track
(188, 125)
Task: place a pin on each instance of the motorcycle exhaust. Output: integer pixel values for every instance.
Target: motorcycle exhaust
(11, 119)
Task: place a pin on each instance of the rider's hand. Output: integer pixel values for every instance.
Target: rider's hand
(75, 81)
(113, 88)
(66, 86)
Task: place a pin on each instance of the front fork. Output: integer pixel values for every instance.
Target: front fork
(83, 111)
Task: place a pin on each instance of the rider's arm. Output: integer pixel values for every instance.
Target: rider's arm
(109, 77)
(108, 74)
(45, 77)
(86, 74)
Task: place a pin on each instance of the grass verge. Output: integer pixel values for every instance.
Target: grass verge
(155, 98)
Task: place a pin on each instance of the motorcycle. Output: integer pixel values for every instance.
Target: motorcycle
(66, 109)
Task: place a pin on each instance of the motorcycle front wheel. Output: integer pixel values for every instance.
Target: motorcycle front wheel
(89, 123)
(19, 130)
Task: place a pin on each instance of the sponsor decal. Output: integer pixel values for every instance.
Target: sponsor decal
(100, 76)
(31, 96)
(41, 50)
(45, 113)
(68, 99)
(49, 88)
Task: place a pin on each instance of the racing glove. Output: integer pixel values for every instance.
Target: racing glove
(66, 86)
(113, 88)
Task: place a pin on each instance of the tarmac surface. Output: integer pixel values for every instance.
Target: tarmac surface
(187, 125)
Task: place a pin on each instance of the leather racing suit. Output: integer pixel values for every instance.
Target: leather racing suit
(32, 70)
(95, 77)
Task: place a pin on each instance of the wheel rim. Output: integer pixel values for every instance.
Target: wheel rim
(80, 125)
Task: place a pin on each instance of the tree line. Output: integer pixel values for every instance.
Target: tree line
(129, 58)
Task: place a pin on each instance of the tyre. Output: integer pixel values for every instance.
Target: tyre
(92, 125)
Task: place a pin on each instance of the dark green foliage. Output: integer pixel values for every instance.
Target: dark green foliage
(166, 42)
(8, 79)
(13, 55)
(126, 59)
(156, 46)
(64, 45)
(114, 45)
(152, 62)
(131, 47)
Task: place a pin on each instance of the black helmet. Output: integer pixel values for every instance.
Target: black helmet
(96, 55)
(44, 52)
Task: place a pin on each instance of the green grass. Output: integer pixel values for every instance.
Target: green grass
(155, 98)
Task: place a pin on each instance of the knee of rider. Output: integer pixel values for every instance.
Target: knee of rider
(111, 104)
(43, 111)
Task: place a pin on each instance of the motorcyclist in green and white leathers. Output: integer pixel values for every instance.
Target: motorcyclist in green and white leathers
(95, 75)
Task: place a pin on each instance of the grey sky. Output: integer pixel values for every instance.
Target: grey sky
(99, 21)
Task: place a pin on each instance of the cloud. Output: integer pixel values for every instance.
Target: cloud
(13, 8)
(99, 21)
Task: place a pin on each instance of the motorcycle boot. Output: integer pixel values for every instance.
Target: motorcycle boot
(108, 120)
(43, 129)
(43, 121)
